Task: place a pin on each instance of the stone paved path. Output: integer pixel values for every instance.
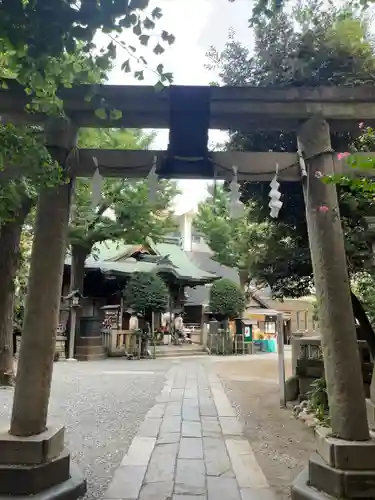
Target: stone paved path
(190, 446)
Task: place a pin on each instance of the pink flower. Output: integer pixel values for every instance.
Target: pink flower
(341, 156)
(323, 209)
(361, 125)
(318, 174)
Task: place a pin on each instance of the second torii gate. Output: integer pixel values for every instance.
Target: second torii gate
(311, 113)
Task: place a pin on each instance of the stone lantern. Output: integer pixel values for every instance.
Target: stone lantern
(74, 299)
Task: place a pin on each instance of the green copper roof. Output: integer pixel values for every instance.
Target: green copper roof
(104, 258)
(186, 268)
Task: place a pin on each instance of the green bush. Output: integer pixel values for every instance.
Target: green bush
(146, 292)
(227, 301)
(318, 400)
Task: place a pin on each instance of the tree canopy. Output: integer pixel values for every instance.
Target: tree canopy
(36, 35)
(227, 301)
(314, 46)
(146, 292)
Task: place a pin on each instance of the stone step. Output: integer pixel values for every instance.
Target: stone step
(89, 341)
(172, 353)
(90, 357)
(89, 349)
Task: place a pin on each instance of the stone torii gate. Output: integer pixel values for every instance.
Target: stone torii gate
(32, 458)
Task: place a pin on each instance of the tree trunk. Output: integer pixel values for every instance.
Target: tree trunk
(10, 236)
(34, 373)
(365, 331)
(79, 256)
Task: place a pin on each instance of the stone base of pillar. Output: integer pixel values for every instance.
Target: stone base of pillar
(38, 466)
(340, 469)
(370, 406)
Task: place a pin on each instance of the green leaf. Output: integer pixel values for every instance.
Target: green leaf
(148, 24)
(159, 86)
(160, 68)
(115, 114)
(144, 39)
(157, 13)
(137, 30)
(158, 49)
(139, 75)
(125, 66)
(168, 37)
(101, 113)
(129, 20)
(167, 77)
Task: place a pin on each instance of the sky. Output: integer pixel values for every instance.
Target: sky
(197, 25)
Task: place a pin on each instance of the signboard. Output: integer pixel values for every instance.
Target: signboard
(248, 334)
(111, 319)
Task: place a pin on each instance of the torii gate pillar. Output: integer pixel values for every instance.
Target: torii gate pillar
(344, 465)
(33, 458)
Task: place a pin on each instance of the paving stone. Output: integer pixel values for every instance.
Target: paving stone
(190, 477)
(157, 491)
(206, 418)
(191, 394)
(150, 427)
(208, 409)
(156, 411)
(170, 424)
(191, 448)
(169, 437)
(186, 467)
(165, 449)
(139, 452)
(211, 429)
(223, 406)
(190, 413)
(191, 429)
(162, 465)
(230, 426)
(257, 494)
(176, 395)
(173, 409)
(189, 497)
(246, 468)
(222, 488)
(216, 458)
(126, 483)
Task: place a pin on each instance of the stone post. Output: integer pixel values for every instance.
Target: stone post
(344, 464)
(336, 319)
(32, 456)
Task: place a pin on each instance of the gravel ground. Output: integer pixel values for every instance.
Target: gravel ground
(281, 444)
(102, 404)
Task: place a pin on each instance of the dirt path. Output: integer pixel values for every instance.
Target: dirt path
(281, 443)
